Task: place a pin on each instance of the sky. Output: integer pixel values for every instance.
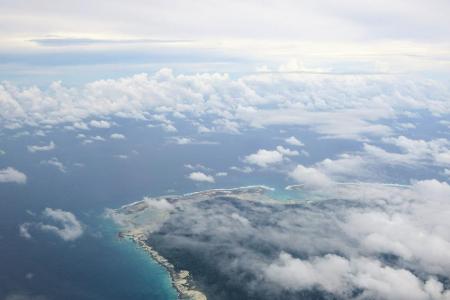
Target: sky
(82, 41)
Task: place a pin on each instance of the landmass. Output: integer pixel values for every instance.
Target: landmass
(140, 219)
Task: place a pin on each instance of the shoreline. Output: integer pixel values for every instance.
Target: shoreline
(181, 280)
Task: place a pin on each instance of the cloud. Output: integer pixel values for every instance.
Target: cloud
(287, 151)
(310, 177)
(293, 141)
(346, 167)
(328, 272)
(221, 174)
(56, 163)
(36, 148)
(10, 174)
(264, 158)
(77, 126)
(360, 241)
(436, 151)
(182, 140)
(447, 172)
(23, 230)
(341, 276)
(197, 167)
(98, 138)
(69, 229)
(117, 136)
(235, 104)
(100, 124)
(245, 169)
(159, 204)
(189, 141)
(201, 177)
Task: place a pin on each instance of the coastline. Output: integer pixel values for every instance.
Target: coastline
(181, 280)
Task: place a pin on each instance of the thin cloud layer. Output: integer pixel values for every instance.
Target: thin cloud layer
(38, 148)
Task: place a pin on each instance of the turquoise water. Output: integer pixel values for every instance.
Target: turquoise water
(150, 280)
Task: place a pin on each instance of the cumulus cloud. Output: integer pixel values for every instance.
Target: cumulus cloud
(264, 158)
(10, 174)
(37, 148)
(77, 126)
(23, 230)
(69, 229)
(287, 151)
(293, 141)
(236, 104)
(183, 140)
(100, 124)
(117, 136)
(310, 177)
(341, 276)
(201, 177)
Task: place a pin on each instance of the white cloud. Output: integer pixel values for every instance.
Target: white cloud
(37, 148)
(117, 136)
(98, 138)
(70, 227)
(183, 140)
(23, 230)
(100, 124)
(77, 125)
(341, 276)
(310, 177)
(56, 163)
(160, 204)
(202, 177)
(293, 141)
(321, 103)
(221, 174)
(346, 165)
(436, 151)
(197, 167)
(287, 151)
(189, 141)
(10, 174)
(264, 158)
(245, 169)
(169, 128)
(447, 172)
